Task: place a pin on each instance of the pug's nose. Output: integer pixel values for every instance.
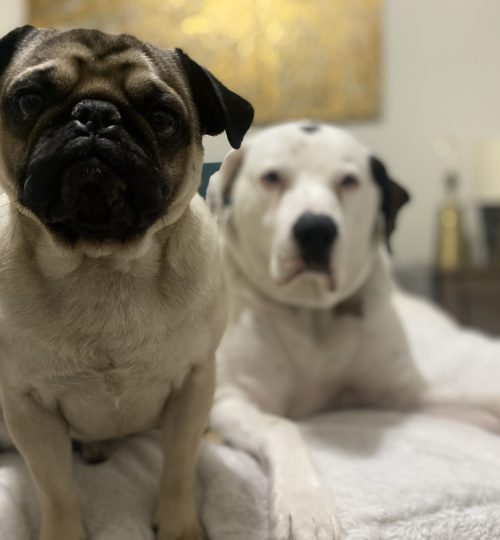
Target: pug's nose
(95, 114)
(315, 235)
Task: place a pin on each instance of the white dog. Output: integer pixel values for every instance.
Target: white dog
(305, 212)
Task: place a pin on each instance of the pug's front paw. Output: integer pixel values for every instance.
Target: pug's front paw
(177, 524)
(62, 528)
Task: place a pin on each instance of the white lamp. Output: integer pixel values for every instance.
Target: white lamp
(489, 177)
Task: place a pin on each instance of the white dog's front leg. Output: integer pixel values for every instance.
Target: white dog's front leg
(301, 508)
(472, 406)
(184, 420)
(42, 438)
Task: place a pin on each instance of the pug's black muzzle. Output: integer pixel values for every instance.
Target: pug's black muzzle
(91, 179)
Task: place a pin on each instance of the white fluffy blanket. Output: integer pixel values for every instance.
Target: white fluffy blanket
(393, 476)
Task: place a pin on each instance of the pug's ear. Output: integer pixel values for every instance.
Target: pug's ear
(10, 43)
(221, 183)
(219, 108)
(394, 196)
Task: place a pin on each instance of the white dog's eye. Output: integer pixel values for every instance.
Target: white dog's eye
(349, 182)
(272, 178)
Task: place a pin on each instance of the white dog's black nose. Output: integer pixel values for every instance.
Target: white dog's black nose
(96, 114)
(315, 235)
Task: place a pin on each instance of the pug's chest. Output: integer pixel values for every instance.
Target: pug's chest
(104, 341)
(107, 378)
(115, 393)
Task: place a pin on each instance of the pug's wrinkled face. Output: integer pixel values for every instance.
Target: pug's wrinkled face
(302, 209)
(101, 134)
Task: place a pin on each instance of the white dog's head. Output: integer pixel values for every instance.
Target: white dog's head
(303, 209)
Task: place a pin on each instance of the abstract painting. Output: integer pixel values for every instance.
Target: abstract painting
(292, 59)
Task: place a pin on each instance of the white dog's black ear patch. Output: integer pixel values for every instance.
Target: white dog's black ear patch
(394, 196)
(219, 108)
(10, 43)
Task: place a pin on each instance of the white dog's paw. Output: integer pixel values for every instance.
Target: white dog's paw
(304, 515)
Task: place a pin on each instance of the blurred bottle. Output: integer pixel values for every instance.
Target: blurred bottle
(452, 253)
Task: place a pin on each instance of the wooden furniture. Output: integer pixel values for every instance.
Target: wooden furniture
(472, 296)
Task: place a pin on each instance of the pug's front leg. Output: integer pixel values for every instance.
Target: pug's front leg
(184, 420)
(43, 440)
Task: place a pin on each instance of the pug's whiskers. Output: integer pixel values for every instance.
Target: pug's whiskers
(10, 203)
(27, 181)
(164, 228)
(16, 223)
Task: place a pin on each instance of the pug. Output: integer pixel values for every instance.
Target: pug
(111, 294)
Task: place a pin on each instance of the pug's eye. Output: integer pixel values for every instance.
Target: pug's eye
(163, 121)
(272, 179)
(349, 182)
(31, 104)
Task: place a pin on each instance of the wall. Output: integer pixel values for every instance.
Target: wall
(441, 77)
(12, 13)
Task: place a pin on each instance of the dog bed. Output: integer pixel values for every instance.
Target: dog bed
(394, 476)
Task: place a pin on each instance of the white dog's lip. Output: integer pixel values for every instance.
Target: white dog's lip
(304, 273)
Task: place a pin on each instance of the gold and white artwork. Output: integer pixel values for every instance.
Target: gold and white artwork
(292, 59)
